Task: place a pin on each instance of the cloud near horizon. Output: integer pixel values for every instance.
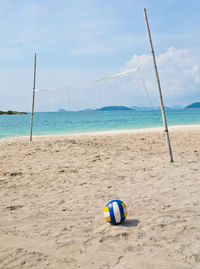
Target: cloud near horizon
(179, 71)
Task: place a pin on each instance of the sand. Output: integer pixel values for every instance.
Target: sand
(53, 190)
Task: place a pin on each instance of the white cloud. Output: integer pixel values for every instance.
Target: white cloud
(179, 72)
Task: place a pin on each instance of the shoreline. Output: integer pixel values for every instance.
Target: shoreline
(111, 132)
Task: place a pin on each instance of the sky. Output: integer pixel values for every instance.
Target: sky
(78, 41)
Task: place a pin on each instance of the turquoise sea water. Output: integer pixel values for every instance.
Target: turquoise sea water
(52, 123)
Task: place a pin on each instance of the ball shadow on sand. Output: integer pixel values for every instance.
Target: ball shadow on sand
(130, 223)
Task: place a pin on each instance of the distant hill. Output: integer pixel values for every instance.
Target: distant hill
(86, 110)
(115, 108)
(193, 106)
(169, 108)
(10, 112)
(155, 108)
(144, 108)
(111, 108)
(178, 107)
(61, 110)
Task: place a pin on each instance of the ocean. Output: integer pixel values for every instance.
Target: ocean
(55, 123)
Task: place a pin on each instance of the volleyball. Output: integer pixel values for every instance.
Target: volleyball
(115, 211)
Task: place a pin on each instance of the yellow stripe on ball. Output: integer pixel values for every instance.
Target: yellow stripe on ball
(108, 219)
(106, 209)
(123, 204)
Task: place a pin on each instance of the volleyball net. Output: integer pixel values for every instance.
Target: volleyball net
(127, 88)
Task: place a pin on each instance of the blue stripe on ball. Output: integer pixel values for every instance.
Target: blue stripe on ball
(112, 216)
(121, 211)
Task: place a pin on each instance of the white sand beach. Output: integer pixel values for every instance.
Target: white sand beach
(53, 191)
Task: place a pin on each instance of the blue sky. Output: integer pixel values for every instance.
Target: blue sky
(78, 40)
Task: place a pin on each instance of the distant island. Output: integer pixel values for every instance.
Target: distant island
(62, 110)
(124, 108)
(10, 112)
(84, 110)
(193, 106)
(111, 108)
(177, 107)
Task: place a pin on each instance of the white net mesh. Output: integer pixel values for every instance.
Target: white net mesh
(122, 89)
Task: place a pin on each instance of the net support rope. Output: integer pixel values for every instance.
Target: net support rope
(92, 81)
